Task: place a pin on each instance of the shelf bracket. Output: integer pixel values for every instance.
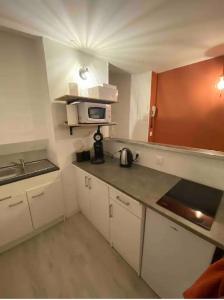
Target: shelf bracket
(97, 125)
(71, 129)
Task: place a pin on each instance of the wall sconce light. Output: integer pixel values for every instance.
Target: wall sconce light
(83, 73)
(220, 84)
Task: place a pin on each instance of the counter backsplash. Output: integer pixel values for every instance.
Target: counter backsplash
(203, 169)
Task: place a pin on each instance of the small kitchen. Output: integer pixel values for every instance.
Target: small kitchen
(111, 171)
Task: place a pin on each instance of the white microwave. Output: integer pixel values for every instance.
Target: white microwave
(94, 112)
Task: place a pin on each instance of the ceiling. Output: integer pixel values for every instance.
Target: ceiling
(133, 35)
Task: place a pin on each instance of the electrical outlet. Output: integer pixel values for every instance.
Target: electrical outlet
(136, 155)
(159, 160)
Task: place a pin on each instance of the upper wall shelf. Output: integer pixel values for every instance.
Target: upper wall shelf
(68, 99)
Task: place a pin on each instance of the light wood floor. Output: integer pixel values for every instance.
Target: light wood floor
(70, 260)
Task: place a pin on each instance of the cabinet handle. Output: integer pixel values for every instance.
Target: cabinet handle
(6, 198)
(15, 204)
(86, 181)
(38, 195)
(174, 228)
(110, 211)
(89, 183)
(123, 201)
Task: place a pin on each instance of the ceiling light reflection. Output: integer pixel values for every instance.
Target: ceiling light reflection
(198, 214)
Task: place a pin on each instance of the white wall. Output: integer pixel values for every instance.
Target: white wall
(62, 66)
(139, 106)
(23, 89)
(121, 110)
(33, 72)
(208, 171)
(131, 113)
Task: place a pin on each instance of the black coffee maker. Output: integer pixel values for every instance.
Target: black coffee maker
(98, 148)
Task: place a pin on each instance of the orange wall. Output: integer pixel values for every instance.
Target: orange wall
(190, 109)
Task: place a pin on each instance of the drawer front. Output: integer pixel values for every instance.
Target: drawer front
(15, 188)
(15, 220)
(7, 193)
(124, 200)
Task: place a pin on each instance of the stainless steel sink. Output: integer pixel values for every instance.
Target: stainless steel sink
(19, 171)
(10, 172)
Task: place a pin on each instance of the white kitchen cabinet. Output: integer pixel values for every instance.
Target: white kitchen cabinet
(15, 220)
(173, 257)
(120, 222)
(46, 203)
(99, 205)
(125, 227)
(83, 192)
(93, 201)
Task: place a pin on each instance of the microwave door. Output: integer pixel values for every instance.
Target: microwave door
(97, 114)
(94, 113)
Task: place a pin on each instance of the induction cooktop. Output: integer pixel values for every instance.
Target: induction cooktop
(195, 202)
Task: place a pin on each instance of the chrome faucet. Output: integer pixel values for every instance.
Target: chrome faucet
(20, 164)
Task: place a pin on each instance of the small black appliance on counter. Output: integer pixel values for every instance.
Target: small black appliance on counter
(82, 156)
(126, 158)
(98, 148)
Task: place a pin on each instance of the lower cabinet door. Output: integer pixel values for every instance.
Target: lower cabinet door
(126, 234)
(46, 203)
(15, 220)
(99, 205)
(173, 257)
(83, 192)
